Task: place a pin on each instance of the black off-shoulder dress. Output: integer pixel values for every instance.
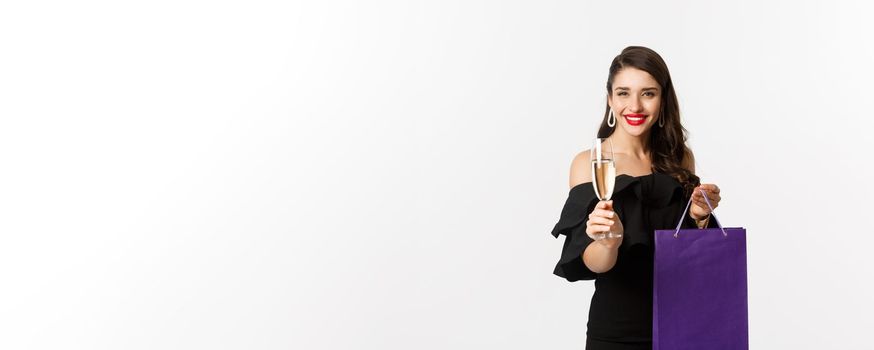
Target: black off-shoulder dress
(620, 315)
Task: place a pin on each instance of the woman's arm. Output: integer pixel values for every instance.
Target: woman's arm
(600, 258)
(601, 255)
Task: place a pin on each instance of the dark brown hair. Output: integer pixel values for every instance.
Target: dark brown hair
(667, 144)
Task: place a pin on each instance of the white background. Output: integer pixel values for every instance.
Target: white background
(384, 175)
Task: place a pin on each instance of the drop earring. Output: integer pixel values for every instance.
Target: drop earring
(661, 122)
(611, 119)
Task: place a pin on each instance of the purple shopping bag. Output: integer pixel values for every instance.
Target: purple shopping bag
(700, 288)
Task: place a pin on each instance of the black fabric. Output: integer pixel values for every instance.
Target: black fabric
(595, 344)
(621, 307)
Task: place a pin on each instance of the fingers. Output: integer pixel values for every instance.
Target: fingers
(604, 205)
(698, 198)
(603, 213)
(709, 187)
(597, 229)
(711, 190)
(704, 205)
(602, 218)
(712, 193)
(597, 220)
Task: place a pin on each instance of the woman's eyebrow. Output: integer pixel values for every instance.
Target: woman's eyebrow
(644, 89)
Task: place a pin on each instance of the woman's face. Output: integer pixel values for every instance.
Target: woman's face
(636, 101)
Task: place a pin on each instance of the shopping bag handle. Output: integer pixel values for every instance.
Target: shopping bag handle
(687, 209)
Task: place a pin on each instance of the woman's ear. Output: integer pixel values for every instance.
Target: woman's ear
(609, 100)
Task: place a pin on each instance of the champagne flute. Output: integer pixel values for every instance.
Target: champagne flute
(603, 176)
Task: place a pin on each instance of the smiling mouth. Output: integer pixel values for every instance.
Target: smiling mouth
(635, 119)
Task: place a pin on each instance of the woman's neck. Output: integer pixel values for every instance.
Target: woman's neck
(630, 145)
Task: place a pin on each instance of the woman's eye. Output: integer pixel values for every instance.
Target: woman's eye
(648, 94)
(622, 93)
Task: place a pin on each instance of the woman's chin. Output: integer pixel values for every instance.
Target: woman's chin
(636, 130)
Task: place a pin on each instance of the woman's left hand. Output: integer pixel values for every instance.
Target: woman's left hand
(699, 208)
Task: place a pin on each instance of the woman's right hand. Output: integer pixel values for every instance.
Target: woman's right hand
(603, 219)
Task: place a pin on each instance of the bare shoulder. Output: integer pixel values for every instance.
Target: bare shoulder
(581, 169)
(689, 162)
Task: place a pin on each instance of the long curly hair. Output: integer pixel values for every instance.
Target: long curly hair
(667, 144)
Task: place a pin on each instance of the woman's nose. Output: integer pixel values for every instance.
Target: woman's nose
(634, 106)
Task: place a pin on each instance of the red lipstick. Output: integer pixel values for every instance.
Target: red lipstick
(635, 119)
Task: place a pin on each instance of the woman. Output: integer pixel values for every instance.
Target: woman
(656, 177)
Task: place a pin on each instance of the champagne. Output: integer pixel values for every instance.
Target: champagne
(603, 177)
